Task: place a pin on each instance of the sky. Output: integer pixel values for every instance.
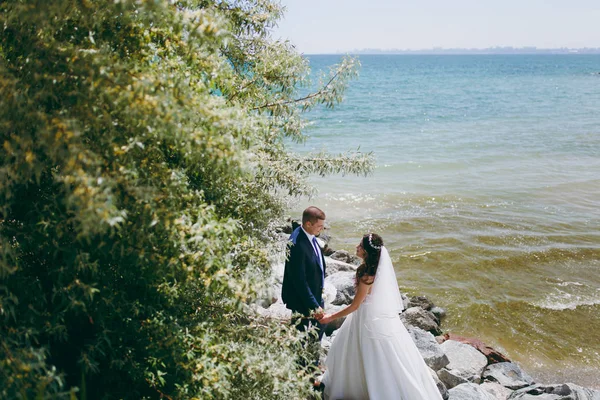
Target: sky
(331, 26)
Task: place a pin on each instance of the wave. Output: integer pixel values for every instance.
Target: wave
(417, 255)
(569, 295)
(551, 303)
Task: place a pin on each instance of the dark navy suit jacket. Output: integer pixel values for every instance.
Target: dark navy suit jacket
(302, 289)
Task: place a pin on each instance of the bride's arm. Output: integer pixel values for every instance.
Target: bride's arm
(361, 293)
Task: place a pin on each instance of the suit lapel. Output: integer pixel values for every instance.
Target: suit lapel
(302, 236)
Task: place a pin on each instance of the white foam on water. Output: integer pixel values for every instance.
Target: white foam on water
(570, 284)
(566, 301)
(416, 255)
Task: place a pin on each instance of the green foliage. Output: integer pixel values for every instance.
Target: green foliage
(143, 158)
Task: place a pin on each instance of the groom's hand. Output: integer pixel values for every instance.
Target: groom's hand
(318, 313)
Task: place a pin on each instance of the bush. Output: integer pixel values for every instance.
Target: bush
(143, 160)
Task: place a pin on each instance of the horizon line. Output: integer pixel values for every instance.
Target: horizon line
(465, 50)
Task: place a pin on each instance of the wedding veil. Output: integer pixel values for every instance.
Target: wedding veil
(385, 299)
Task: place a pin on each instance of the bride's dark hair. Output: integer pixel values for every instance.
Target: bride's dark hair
(371, 244)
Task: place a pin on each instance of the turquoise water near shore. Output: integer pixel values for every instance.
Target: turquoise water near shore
(486, 191)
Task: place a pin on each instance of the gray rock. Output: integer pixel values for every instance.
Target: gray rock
(405, 300)
(321, 242)
(269, 296)
(582, 393)
(344, 283)
(450, 378)
(329, 294)
(508, 375)
(439, 313)
(440, 385)
(326, 343)
(327, 251)
(420, 301)
(286, 229)
(277, 310)
(469, 391)
(535, 392)
(543, 396)
(465, 361)
(566, 391)
(278, 270)
(280, 311)
(325, 238)
(420, 318)
(282, 236)
(295, 223)
(344, 256)
(429, 348)
(497, 391)
(333, 266)
(272, 289)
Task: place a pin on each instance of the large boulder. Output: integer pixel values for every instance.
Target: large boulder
(344, 256)
(327, 251)
(497, 391)
(566, 391)
(466, 364)
(278, 269)
(416, 316)
(469, 391)
(508, 375)
(440, 385)
(322, 241)
(326, 343)
(451, 378)
(270, 295)
(429, 348)
(405, 301)
(420, 301)
(344, 283)
(271, 292)
(333, 266)
(276, 310)
(329, 294)
(543, 396)
(439, 313)
(281, 237)
(324, 238)
(493, 355)
(288, 227)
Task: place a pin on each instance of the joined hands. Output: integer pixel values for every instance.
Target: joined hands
(320, 316)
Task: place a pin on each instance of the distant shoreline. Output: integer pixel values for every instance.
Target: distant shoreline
(487, 51)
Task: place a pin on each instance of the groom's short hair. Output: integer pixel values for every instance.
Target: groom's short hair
(312, 214)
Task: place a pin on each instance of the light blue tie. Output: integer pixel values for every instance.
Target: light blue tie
(316, 246)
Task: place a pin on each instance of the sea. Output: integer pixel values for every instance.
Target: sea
(486, 192)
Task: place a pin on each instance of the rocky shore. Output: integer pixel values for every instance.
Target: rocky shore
(463, 368)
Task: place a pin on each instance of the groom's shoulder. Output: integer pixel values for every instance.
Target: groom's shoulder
(294, 236)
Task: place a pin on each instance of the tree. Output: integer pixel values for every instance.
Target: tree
(143, 158)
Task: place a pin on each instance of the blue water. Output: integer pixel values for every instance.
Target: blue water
(486, 191)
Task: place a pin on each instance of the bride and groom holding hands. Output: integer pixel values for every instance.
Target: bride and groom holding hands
(373, 355)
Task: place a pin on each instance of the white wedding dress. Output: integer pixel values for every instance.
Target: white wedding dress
(372, 355)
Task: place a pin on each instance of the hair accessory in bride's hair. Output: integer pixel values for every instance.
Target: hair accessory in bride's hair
(371, 242)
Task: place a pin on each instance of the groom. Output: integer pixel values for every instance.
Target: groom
(304, 275)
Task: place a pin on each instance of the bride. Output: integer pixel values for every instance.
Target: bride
(373, 355)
